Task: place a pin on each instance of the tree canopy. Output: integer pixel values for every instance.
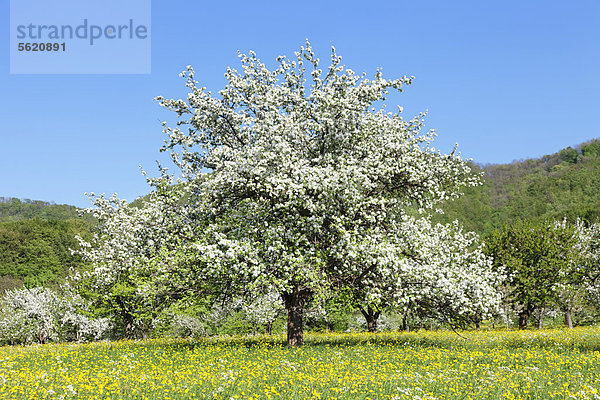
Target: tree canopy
(309, 183)
(538, 258)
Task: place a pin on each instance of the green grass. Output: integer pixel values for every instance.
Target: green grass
(550, 364)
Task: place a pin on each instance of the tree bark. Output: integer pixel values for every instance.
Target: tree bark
(128, 327)
(568, 320)
(294, 305)
(128, 318)
(477, 320)
(371, 316)
(524, 316)
(541, 319)
(405, 323)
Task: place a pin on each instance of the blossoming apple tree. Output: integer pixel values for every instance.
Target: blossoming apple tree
(309, 182)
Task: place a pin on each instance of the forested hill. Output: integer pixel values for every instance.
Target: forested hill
(35, 241)
(13, 209)
(564, 184)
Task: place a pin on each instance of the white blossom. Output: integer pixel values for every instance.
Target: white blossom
(311, 184)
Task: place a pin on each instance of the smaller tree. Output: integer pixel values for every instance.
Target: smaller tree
(264, 309)
(538, 258)
(129, 254)
(435, 270)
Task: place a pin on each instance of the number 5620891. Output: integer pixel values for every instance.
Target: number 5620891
(42, 46)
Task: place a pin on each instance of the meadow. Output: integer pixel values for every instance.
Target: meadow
(547, 364)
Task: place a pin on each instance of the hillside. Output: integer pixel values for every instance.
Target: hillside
(35, 241)
(563, 184)
(13, 209)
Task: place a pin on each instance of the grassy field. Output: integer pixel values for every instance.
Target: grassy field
(550, 364)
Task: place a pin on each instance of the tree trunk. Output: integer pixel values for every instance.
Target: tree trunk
(371, 316)
(524, 316)
(405, 324)
(541, 319)
(269, 328)
(294, 305)
(128, 329)
(128, 318)
(477, 320)
(42, 336)
(568, 320)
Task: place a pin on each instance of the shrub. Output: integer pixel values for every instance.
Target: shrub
(39, 315)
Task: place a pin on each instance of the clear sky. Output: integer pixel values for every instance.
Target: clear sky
(504, 79)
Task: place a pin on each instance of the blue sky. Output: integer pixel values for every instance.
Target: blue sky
(506, 80)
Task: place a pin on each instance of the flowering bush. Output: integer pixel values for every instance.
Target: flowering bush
(40, 314)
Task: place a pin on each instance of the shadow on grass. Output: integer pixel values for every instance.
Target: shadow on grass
(582, 340)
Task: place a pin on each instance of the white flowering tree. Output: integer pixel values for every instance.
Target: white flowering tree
(263, 309)
(308, 180)
(130, 253)
(31, 315)
(582, 285)
(436, 270)
(589, 246)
